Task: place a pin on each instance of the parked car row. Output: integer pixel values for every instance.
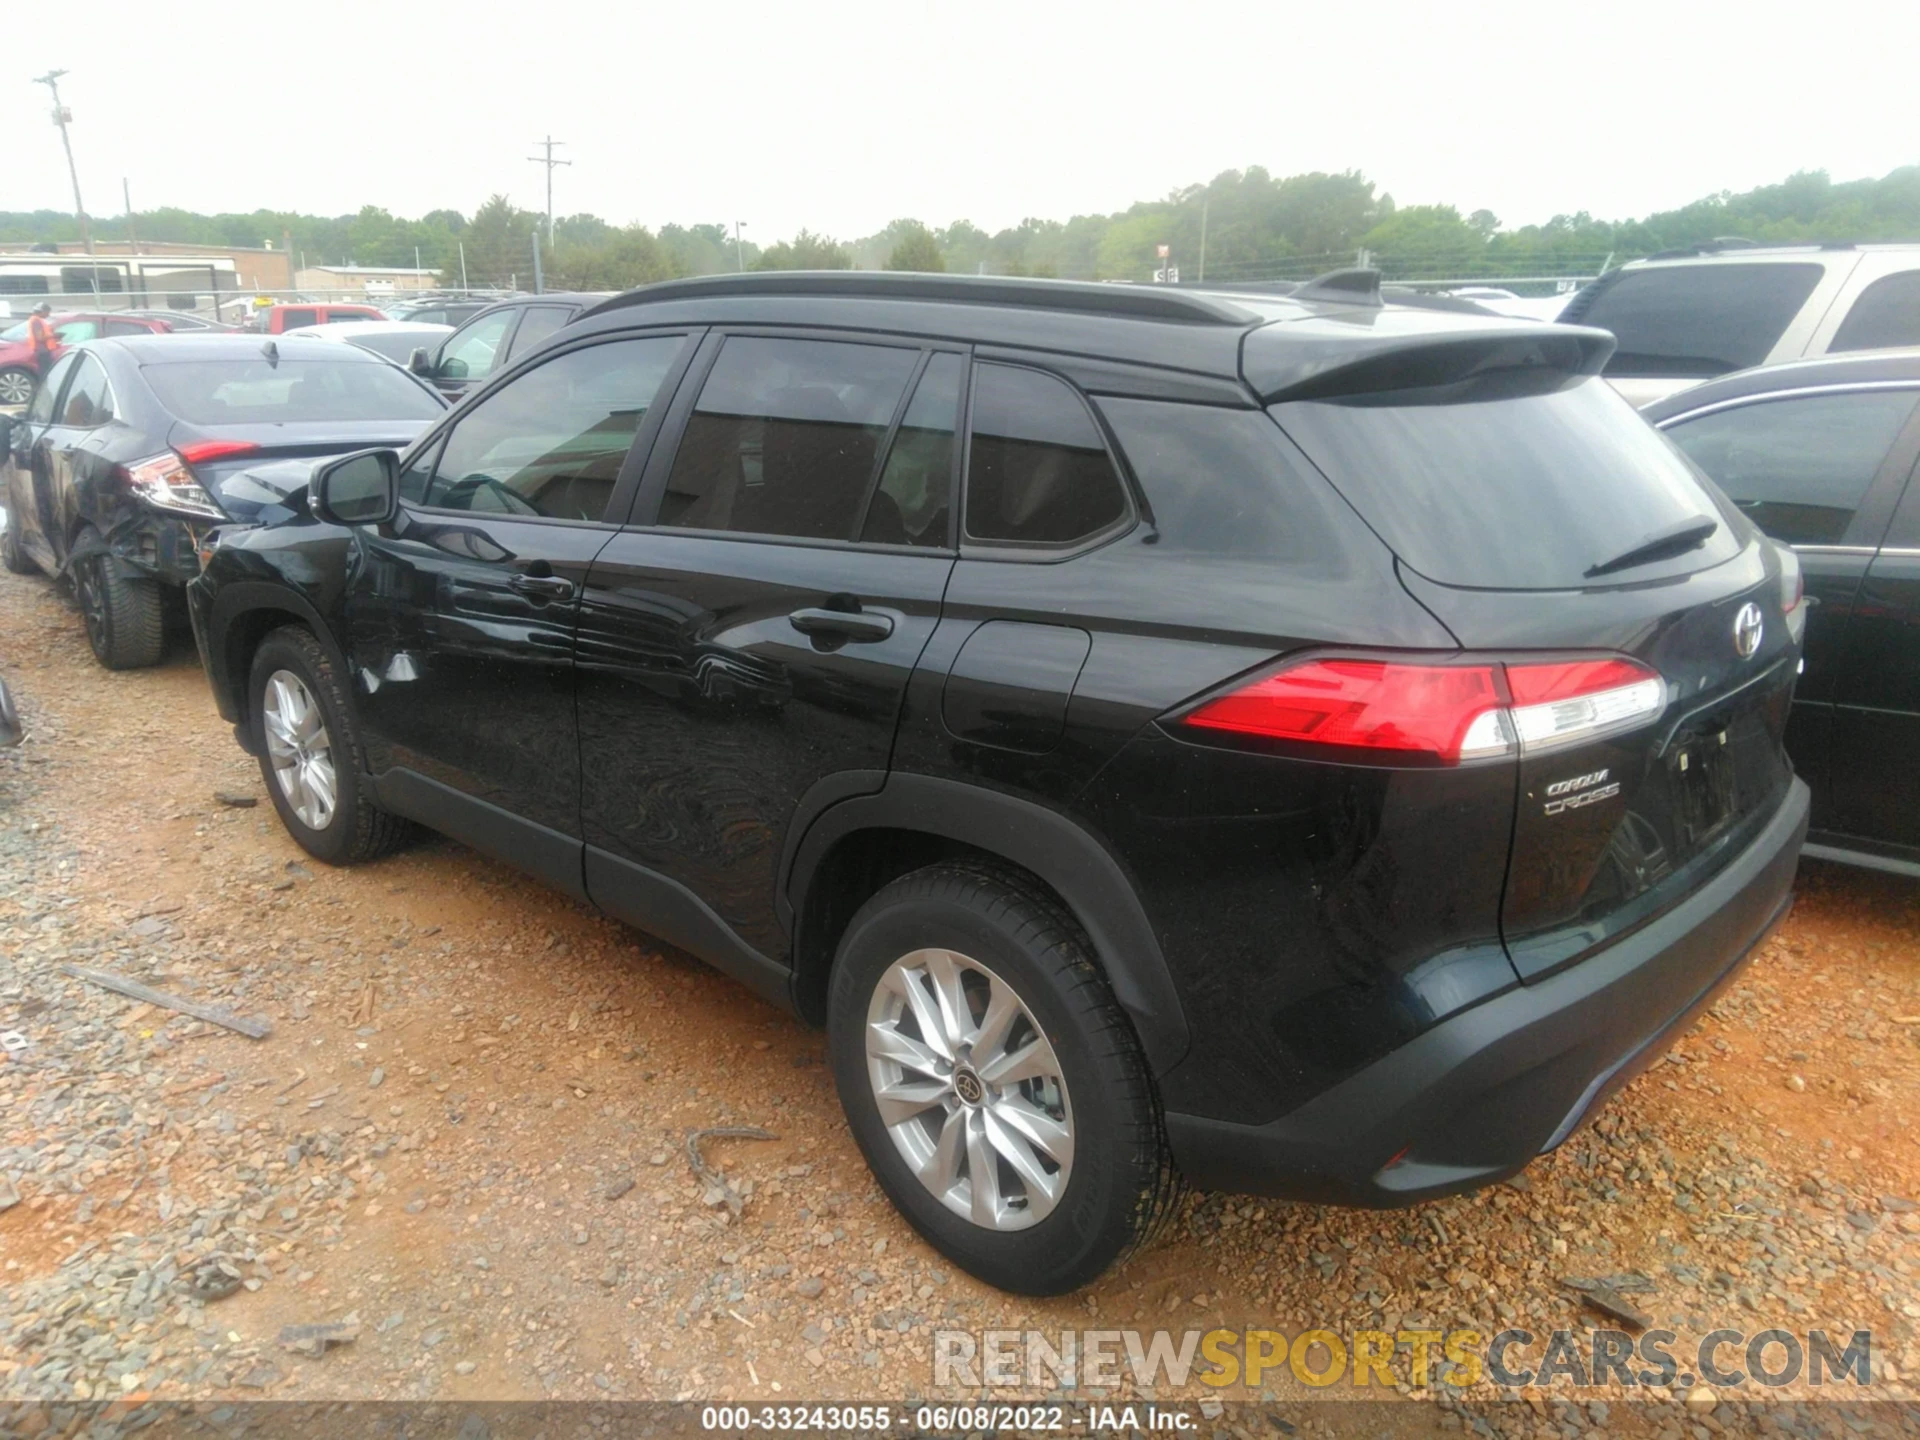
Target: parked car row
(1318, 744)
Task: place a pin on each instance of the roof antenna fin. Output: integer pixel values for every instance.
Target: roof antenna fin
(1342, 287)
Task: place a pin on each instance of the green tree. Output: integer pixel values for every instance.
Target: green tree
(806, 251)
(628, 258)
(499, 243)
(915, 249)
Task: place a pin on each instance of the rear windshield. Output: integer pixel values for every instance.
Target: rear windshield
(1697, 319)
(254, 392)
(1513, 480)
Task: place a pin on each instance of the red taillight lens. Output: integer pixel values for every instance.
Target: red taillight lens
(1427, 710)
(196, 451)
(1405, 711)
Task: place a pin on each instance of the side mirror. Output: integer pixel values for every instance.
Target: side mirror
(362, 489)
(421, 363)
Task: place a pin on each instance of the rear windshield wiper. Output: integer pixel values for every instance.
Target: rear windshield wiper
(1675, 540)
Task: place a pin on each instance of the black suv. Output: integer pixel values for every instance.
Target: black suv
(1307, 745)
(497, 334)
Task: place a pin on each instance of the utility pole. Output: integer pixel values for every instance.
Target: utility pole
(126, 196)
(739, 250)
(463, 265)
(539, 280)
(1203, 240)
(60, 117)
(548, 161)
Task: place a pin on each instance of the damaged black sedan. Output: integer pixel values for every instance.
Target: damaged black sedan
(135, 450)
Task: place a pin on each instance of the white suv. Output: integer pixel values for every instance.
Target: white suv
(1684, 317)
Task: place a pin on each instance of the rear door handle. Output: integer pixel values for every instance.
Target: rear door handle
(861, 626)
(542, 587)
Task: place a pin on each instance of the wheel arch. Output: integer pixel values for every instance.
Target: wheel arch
(853, 846)
(243, 616)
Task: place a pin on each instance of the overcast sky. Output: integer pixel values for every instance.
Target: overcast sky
(840, 117)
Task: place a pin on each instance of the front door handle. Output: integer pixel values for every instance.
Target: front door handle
(860, 626)
(542, 587)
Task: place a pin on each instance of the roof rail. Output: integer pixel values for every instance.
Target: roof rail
(1139, 302)
(1342, 287)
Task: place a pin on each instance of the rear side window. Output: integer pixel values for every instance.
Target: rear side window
(1038, 471)
(298, 319)
(1510, 480)
(551, 441)
(1698, 319)
(1222, 482)
(1886, 314)
(1798, 467)
(342, 317)
(785, 437)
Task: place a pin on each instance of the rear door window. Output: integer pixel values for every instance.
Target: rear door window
(127, 327)
(537, 324)
(298, 319)
(1697, 319)
(785, 437)
(75, 331)
(89, 399)
(1886, 315)
(1799, 467)
(40, 408)
(551, 441)
(1038, 471)
(1512, 479)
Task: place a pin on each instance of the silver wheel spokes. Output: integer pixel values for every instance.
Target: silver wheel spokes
(970, 1089)
(15, 389)
(300, 749)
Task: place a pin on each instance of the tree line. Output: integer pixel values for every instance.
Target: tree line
(1242, 224)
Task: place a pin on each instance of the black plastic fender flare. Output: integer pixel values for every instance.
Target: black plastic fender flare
(1051, 845)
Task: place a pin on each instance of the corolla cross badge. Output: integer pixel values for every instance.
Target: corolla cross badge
(1748, 626)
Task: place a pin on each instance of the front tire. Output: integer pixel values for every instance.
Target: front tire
(122, 612)
(311, 756)
(17, 385)
(997, 1090)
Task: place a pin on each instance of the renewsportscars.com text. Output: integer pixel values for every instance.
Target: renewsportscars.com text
(1068, 1359)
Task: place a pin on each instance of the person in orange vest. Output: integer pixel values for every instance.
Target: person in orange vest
(40, 332)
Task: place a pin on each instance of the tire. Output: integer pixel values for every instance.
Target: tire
(1105, 1179)
(311, 756)
(17, 385)
(11, 555)
(123, 616)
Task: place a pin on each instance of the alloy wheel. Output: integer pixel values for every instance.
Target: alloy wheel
(970, 1089)
(300, 749)
(16, 387)
(89, 588)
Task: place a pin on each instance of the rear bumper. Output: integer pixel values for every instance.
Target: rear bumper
(1477, 1097)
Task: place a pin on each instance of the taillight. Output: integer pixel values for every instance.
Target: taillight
(1793, 593)
(196, 452)
(166, 483)
(1426, 710)
(1569, 702)
(1415, 712)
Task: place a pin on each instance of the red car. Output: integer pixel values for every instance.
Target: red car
(19, 377)
(278, 319)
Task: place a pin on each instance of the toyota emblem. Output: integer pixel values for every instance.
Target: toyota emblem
(1748, 626)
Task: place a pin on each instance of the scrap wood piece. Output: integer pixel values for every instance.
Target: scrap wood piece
(1608, 1301)
(254, 1029)
(313, 1340)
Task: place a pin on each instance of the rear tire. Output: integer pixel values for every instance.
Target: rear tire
(1060, 1115)
(311, 755)
(122, 612)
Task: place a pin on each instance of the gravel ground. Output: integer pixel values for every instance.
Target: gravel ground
(463, 1138)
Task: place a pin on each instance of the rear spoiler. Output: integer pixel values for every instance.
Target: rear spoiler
(1324, 360)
